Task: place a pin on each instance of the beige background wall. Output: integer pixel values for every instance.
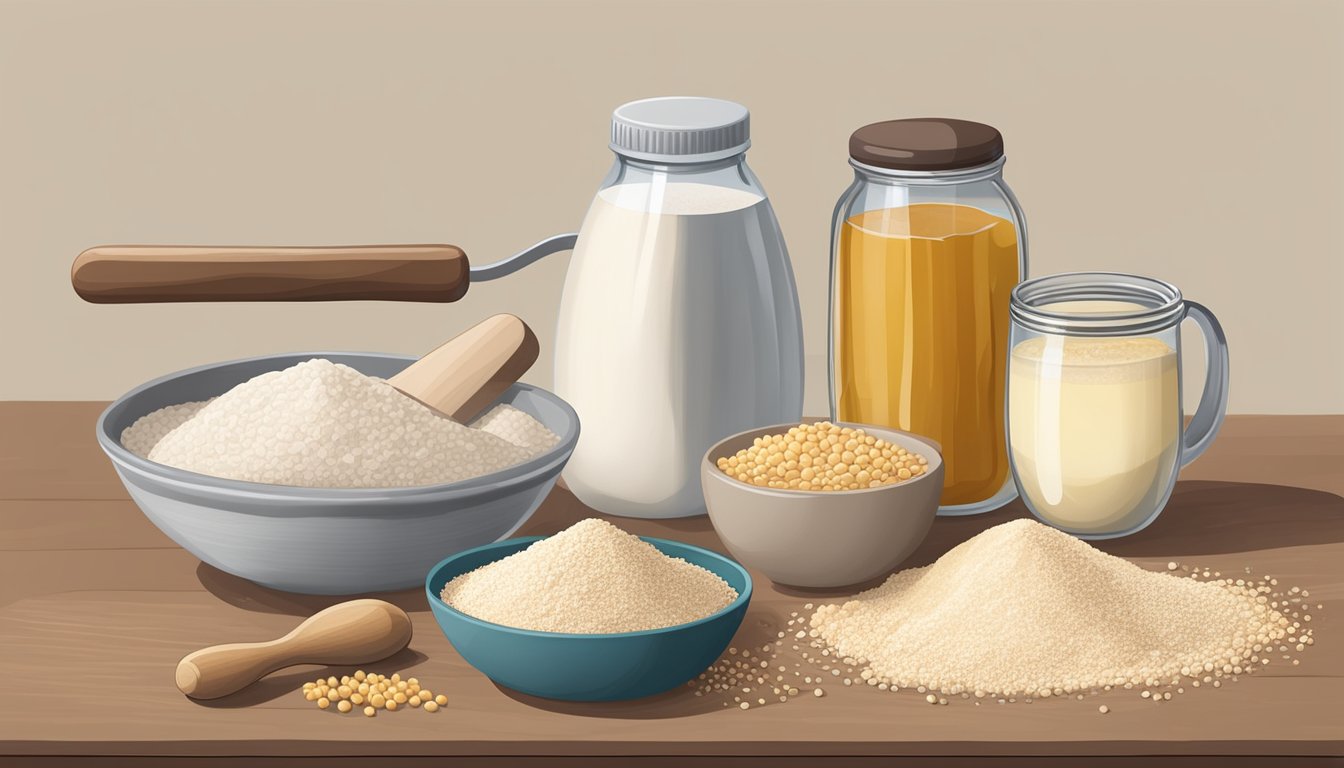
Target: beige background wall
(1196, 141)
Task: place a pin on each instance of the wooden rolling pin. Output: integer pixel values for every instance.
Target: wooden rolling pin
(356, 632)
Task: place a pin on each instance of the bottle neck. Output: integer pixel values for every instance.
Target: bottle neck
(876, 175)
(710, 166)
(731, 172)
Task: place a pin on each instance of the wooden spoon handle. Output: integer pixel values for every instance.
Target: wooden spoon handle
(127, 274)
(355, 632)
(471, 370)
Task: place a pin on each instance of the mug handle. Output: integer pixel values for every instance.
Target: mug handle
(1213, 401)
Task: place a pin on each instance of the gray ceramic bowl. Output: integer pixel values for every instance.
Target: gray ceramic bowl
(327, 541)
(822, 538)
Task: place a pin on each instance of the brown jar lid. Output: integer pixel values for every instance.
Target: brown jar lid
(926, 144)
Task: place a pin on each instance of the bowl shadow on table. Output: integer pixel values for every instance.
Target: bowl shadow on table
(289, 683)
(678, 702)
(241, 593)
(760, 627)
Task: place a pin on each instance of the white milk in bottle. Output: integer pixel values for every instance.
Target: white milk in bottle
(680, 323)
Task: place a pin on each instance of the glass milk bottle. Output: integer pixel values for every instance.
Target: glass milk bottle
(1094, 398)
(679, 324)
(927, 245)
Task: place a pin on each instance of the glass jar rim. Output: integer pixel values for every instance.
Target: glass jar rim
(1160, 304)
(945, 176)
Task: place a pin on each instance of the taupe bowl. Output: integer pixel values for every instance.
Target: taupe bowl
(822, 538)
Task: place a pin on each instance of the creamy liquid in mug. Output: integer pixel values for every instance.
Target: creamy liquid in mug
(1095, 426)
(678, 328)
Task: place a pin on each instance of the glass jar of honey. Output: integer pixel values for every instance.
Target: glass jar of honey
(927, 245)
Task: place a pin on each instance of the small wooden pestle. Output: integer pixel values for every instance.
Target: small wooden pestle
(355, 632)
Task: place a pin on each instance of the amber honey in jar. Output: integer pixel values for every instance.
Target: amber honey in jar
(928, 244)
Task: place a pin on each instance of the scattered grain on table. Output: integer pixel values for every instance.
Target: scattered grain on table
(1037, 613)
(379, 691)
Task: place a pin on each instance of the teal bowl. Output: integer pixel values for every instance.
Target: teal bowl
(605, 667)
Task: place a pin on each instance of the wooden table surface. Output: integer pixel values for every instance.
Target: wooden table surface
(97, 606)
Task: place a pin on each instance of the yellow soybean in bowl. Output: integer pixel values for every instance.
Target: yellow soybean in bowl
(823, 457)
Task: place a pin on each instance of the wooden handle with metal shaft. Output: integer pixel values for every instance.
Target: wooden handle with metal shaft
(129, 274)
(356, 632)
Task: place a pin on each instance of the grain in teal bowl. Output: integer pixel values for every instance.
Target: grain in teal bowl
(589, 667)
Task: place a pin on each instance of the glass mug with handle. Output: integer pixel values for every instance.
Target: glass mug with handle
(1094, 398)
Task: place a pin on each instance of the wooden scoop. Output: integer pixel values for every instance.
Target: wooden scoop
(356, 632)
(471, 370)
